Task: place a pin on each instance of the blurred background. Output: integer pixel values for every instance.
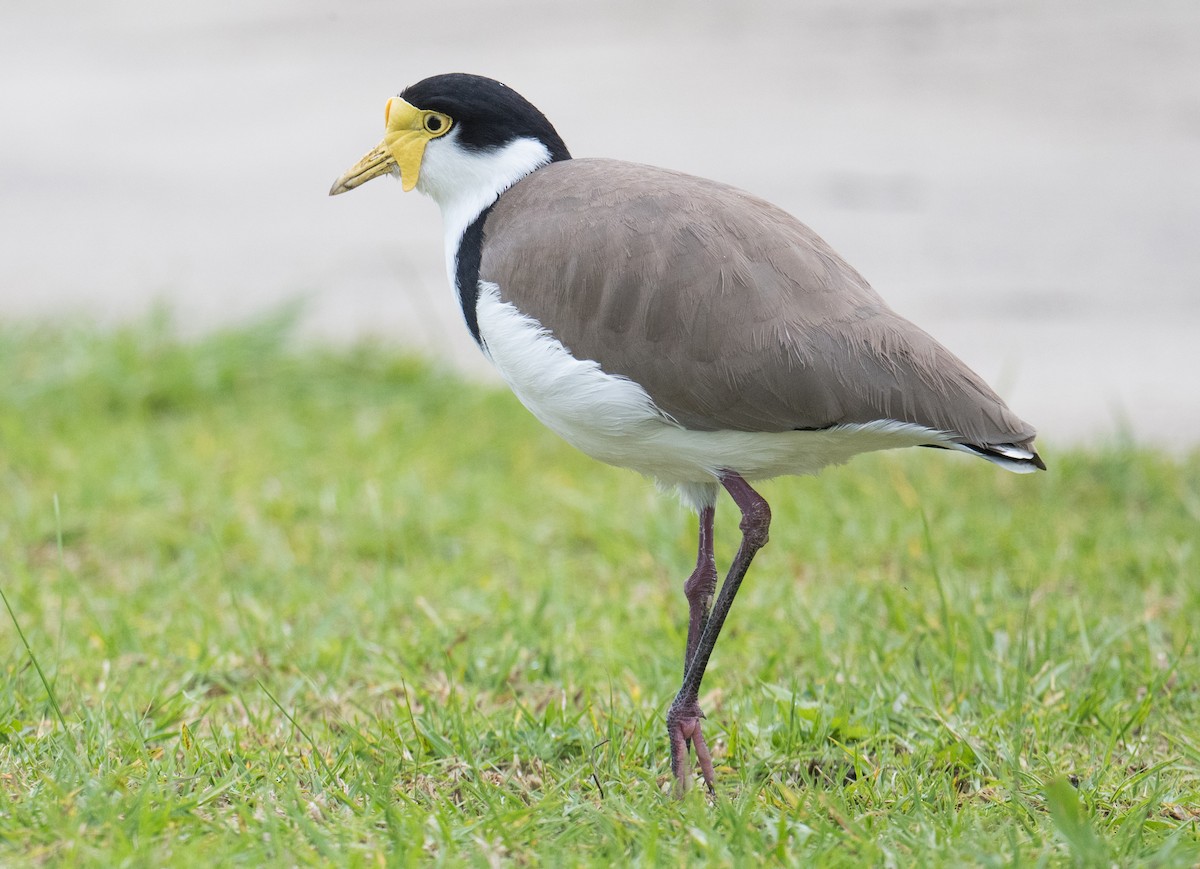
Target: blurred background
(1020, 178)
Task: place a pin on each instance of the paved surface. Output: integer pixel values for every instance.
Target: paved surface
(1021, 178)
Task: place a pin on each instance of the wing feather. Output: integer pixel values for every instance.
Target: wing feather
(729, 312)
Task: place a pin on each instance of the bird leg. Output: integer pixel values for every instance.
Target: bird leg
(684, 716)
(701, 585)
(699, 589)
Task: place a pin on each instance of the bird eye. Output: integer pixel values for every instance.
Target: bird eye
(437, 123)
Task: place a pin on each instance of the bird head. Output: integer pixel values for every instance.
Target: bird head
(457, 131)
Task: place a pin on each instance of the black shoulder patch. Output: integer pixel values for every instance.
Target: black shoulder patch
(466, 272)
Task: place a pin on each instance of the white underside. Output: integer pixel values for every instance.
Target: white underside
(614, 420)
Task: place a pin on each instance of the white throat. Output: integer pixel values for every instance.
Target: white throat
(463, 182)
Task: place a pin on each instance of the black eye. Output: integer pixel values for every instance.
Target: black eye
(436, 123)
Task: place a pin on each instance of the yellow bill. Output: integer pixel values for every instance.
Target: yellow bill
(407, 131)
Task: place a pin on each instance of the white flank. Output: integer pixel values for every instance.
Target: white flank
(614, 420)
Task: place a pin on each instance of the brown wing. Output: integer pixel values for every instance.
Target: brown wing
(727, 310)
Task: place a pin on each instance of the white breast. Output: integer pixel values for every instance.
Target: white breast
(613, 419)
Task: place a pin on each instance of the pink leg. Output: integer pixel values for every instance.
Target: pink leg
(701, 585)
(684, 716)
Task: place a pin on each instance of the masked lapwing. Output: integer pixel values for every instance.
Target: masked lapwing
(673, 325)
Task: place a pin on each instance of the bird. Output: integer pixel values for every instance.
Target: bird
(676, 326)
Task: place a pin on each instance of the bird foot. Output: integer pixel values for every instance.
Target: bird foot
(683, 728)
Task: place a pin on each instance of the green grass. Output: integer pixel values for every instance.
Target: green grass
(287, 606)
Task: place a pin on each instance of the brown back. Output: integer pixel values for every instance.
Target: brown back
(729, 312)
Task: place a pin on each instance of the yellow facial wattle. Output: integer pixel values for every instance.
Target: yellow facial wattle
(408, 131)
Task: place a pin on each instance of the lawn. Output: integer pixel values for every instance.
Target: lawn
(269, 604)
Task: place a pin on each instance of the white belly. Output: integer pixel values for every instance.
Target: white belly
(613, 419)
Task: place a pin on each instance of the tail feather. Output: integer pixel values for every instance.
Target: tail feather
(1012, 457)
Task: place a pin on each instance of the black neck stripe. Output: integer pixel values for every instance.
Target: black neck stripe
(466, 272)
